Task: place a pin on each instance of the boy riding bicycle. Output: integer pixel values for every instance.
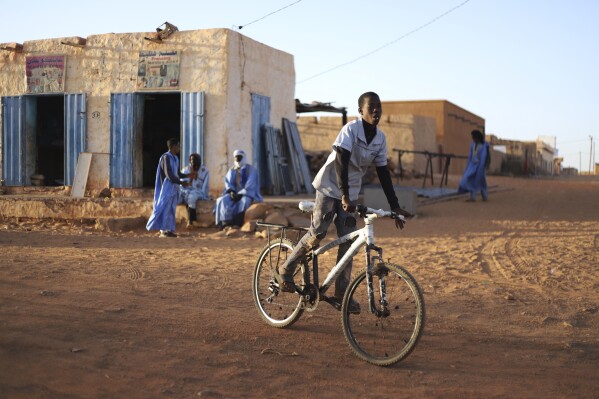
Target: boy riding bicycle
(359, 144)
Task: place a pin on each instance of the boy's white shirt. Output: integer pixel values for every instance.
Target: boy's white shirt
(353, 139)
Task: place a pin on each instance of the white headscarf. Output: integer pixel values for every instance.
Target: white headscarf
(239, 164)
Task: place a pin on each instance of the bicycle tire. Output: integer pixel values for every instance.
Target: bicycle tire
(384, 340)
(277, 308)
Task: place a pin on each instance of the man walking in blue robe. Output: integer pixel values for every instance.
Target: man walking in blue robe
(166, 191)
(242, 188)
(474, 179)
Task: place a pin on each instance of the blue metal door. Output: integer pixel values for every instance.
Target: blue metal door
(192, 125)
(123, 115)
(75, 133)
(13, 140)
(260, 116)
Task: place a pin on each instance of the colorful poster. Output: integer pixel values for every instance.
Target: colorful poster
(45, 73)
(158, 70)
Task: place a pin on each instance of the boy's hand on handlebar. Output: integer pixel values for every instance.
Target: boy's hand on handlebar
(347, 205)
(399, 223)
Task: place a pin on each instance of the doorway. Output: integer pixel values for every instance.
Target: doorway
(48, 150)
(161, 120)
(140, 125)
(42, 135)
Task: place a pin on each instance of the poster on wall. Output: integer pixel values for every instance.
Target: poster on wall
(45, 73)
(158, 70)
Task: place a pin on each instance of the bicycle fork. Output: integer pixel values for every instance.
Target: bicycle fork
(371, 270)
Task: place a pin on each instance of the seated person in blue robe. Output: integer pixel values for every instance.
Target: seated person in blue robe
(242, 188)
(198, 188)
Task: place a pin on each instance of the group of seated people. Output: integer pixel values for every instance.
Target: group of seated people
(242, 188)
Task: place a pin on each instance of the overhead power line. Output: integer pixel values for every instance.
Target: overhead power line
(388, 44)
(240, 27)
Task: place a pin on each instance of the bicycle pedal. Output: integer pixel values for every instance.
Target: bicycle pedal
(333, 302)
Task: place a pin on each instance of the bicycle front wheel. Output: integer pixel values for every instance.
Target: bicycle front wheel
(388, 333)
(277, 308)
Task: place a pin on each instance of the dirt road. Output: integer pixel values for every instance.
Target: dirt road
(511, 289)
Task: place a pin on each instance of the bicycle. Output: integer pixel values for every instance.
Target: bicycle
(384, 333)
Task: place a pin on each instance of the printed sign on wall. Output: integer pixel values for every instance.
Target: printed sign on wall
(45, 73)
(158, 70)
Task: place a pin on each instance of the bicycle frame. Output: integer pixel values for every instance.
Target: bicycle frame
(382, 333)
(363, 236)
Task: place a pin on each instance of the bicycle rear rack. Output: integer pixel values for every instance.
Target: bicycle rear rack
(284, 231)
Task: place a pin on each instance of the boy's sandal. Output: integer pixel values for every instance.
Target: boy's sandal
(285, 281)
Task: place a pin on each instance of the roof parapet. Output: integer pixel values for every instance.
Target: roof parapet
(15, 47)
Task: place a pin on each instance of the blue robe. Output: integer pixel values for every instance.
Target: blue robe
(166, 194)
(474, 179)
(225, 208)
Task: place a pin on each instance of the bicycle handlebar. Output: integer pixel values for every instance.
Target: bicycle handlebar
(308, 206)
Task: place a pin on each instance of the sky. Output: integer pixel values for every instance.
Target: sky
(530, 68)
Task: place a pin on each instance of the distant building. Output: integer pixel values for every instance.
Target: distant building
(569, 171)
(401, 131)
(121, 96)
(436, 126)
(527, 157)
(453, 124)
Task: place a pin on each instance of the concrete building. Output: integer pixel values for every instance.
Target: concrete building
(453, 125)
(119, 97)
(401, 131)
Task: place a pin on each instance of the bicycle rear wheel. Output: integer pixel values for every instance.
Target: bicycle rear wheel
(277, 308)
(386, 338)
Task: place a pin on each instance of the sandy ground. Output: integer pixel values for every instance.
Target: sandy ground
(511, 289)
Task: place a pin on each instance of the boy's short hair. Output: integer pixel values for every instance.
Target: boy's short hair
(364, 96)
(172, 142)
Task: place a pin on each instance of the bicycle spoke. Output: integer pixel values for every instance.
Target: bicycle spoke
(385, 338)
(277, 308)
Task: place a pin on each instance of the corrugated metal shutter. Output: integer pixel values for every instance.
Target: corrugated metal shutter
(13, 140)
(122, 138)
(192, 125)
(260, 116)
(75, 131)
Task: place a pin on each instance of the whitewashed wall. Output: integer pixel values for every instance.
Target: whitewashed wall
(224, 64)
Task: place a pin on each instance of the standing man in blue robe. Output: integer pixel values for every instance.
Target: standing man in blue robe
(166, 193)
(242, 188)
(474, 179)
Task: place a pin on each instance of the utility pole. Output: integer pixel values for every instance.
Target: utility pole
(594, 153)
(591, 154)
